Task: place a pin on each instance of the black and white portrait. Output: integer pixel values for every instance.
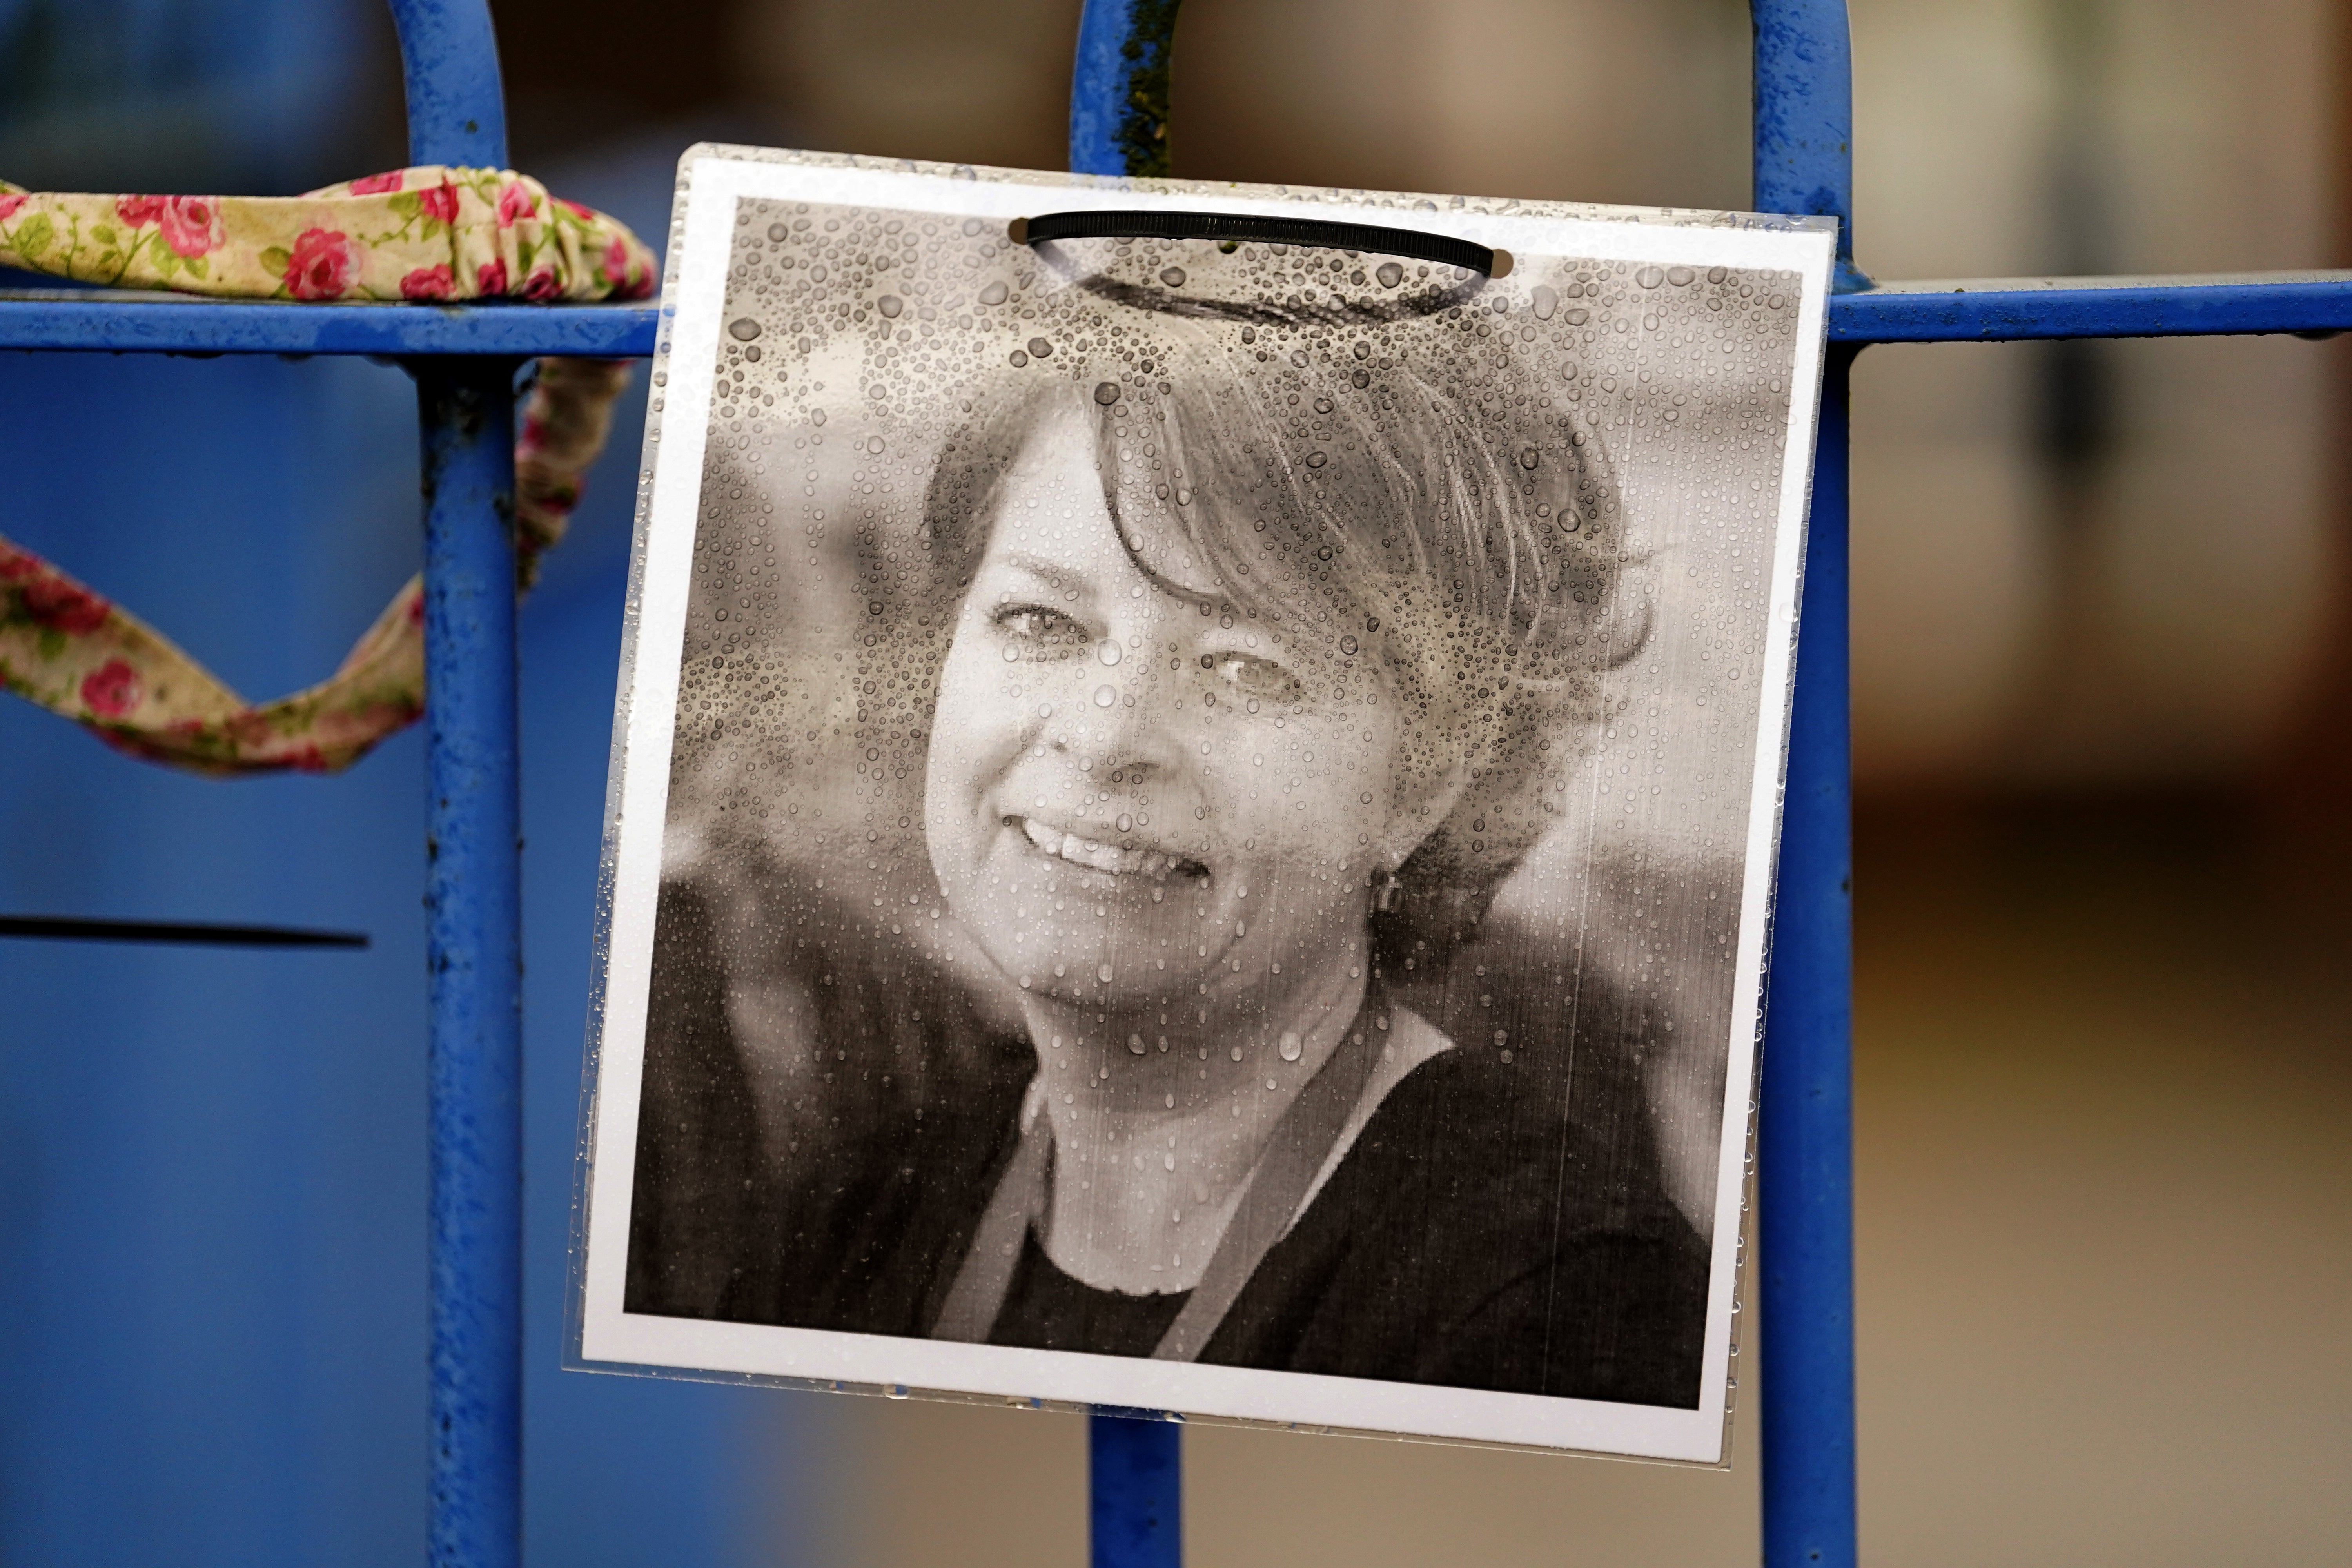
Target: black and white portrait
(1192, 820)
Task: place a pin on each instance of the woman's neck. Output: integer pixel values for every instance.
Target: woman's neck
(1152, 1146)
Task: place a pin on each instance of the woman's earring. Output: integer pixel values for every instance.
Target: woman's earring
(1392, 890)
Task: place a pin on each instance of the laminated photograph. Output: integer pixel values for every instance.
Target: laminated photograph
(1194, 799)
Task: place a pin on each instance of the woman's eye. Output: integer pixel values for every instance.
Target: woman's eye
(1259, 678)
(1043, 633)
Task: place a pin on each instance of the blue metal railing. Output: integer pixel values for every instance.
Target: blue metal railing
(1978, 309)
(473, 886)
(1135, 1459)
(464, 358)
(1804, 114)
(473, 893)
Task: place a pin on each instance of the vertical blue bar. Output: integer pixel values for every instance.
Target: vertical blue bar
(1135, 1462)
(450, 67)
(1118, 118)
(474, 903)
(1805, 1142)
(1804, 109)
(1097, 83)
(1135, 1470)
(1804, 163)
(456, 114)
(1097, 88)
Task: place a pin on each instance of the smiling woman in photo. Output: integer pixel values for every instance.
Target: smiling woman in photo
(1256, 655)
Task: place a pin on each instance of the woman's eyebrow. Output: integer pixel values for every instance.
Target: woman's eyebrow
(1052, 574)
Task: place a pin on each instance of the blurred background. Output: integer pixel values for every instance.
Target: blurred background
(2102, 600)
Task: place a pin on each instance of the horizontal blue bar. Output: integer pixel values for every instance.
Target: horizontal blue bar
(1974, 309)
(1991, 310)
(91, 320)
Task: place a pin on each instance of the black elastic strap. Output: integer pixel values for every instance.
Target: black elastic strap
(1236, 229)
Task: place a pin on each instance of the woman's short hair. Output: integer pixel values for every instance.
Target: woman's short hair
(1432, 504)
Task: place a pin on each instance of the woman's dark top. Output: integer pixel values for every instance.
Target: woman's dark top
(1497, 1225)
(1047, 1310)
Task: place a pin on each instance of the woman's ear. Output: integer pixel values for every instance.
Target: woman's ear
(1424, 804)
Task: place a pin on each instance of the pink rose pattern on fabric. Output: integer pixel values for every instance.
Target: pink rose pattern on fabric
(62, 604)
(499, 233)
(321, 265)
(421, 234)
(66, 648)
(429, 283)
(111, 689)
(192, 226)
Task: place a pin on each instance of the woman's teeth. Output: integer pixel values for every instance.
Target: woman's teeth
(1153, 863)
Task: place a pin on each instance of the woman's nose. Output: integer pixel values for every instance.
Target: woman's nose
(1125, 719)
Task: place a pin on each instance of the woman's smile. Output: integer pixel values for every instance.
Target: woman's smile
(1149, 862)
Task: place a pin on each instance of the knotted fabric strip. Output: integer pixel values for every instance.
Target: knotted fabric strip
(426, 234)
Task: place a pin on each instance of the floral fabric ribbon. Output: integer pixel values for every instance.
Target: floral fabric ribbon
(427, 233)
(424, 234)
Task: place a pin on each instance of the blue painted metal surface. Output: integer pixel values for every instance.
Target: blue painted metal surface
(1803, 113)
(1135, 1462)
(211, 1161)
(150, 323)
(185, 95)
(213, 1307)
(1119, 95)
(456, 114)
(1135, 1490)
(1972, 311)
(1804, 1143)
(2000, 309)
(449, 74)
(1097, 79)
(473, 959)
